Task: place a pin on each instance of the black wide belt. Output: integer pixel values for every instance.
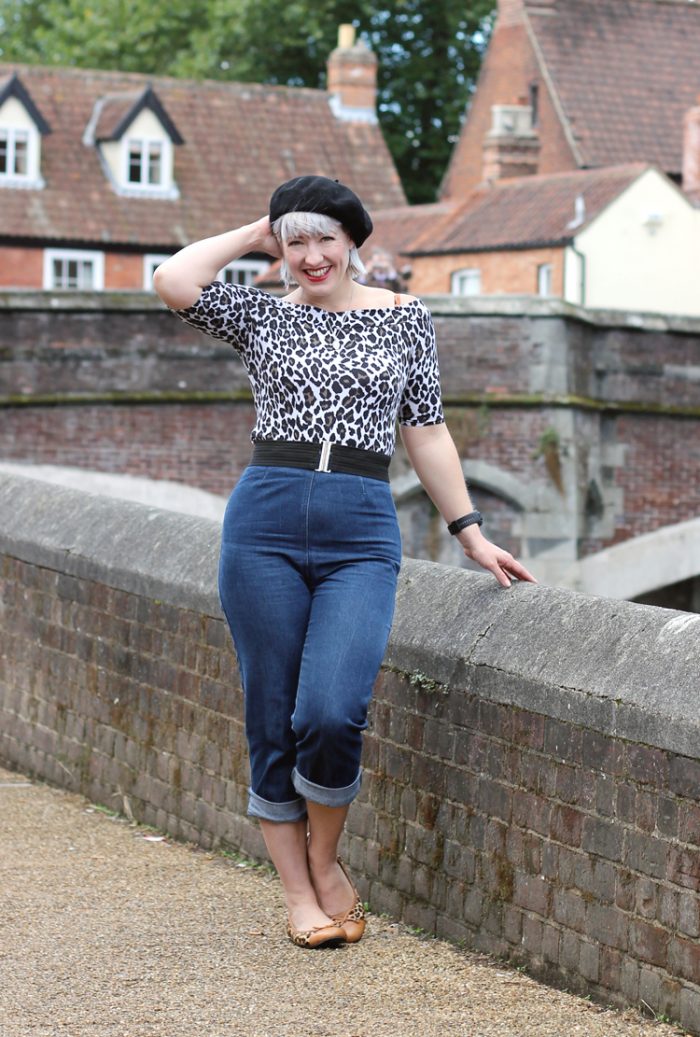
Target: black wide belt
(322, 457)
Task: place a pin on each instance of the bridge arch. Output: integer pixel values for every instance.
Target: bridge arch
(477, 473)
(640, 565)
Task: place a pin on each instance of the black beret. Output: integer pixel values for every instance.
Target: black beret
(319, 194)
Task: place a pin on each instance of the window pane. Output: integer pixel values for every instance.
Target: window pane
(544, 279)
(85, 272)
(21, 154)
(72, 273)
(467, 282)
(3, 151)
(154, 163)
(57, 274)
(135, 168)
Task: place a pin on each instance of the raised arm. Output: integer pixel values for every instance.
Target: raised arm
(179, 280)
(434, 456)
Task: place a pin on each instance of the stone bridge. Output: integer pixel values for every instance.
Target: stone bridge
(579, 430)
(531, 773)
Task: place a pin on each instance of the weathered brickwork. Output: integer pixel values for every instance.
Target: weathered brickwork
(21, 267)
(513, 272)
(509, 70)
(552, 844)
(595, 416)
(202, 445)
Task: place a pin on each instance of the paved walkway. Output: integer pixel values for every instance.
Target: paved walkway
(108, 930)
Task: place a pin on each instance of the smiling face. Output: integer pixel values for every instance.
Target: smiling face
(318, 262)
(317, 253)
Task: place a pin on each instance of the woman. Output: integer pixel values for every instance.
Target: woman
(310, 547)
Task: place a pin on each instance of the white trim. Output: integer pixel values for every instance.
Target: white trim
(470, 274)
(75, 255)
(165, 186)
(250, 268)
(150, 261)
(545, 279)
(347, 114)
(32, 177)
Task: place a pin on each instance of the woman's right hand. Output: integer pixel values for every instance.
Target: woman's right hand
(268, 241)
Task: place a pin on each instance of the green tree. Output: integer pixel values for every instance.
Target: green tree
(429, 53)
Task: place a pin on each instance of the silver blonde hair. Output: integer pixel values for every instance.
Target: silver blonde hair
(294, 223)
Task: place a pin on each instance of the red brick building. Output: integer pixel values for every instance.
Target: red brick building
(580, 84)
(567, 89)
(102, 174)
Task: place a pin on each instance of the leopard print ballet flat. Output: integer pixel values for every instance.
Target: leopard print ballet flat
(353, 921)
(321, 936)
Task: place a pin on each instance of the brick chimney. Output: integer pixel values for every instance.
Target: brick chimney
(512, 146)
(510, 12)
(352, 78)
(691, 153)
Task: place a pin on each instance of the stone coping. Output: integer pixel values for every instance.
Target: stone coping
(442, 305)
(623, 669)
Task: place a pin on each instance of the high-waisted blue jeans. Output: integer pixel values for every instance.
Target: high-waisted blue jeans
(307, 578)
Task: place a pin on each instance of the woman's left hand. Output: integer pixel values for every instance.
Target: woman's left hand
(493, 558)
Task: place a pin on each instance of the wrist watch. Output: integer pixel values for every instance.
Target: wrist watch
(474, 518)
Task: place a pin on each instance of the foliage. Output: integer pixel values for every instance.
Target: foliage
(429, 53)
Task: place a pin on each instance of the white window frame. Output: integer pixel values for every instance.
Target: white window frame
(31, 178)
(151, 261)
(250, 268)
(76, 255)
(469, 276)
(165, 183)
(545, 278)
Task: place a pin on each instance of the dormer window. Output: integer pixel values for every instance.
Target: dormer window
(21, 129)
(145, 165)
(135, 137)
(14, 152)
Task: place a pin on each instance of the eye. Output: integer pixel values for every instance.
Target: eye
(328, 237)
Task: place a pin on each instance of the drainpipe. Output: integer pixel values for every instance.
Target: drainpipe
(582, 260)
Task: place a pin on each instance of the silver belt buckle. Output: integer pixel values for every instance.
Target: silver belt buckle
(325, 457)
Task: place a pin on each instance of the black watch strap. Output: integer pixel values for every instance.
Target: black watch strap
(474, 518)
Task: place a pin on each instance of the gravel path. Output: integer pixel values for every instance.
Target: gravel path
(108, 930)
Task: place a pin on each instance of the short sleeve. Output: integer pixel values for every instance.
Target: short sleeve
(421, 403)
(223, 311)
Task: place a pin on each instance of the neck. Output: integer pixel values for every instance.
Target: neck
(341, 299)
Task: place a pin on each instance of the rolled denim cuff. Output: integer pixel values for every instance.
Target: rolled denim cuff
(326, 797)
(293, 810)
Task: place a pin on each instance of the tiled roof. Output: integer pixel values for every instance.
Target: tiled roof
(112, 111)
(395, 229)
(242, 140)
(625, 72)
(527, 212)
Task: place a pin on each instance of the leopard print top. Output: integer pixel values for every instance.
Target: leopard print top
(320, 375)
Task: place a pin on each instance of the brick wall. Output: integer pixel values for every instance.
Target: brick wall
(532, 779)
(23, 267)
(509, 68)
(123, 271)
(117, 384)
(510, 272)
(201, 445)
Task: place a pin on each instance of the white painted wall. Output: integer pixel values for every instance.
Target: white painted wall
(642, 252)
